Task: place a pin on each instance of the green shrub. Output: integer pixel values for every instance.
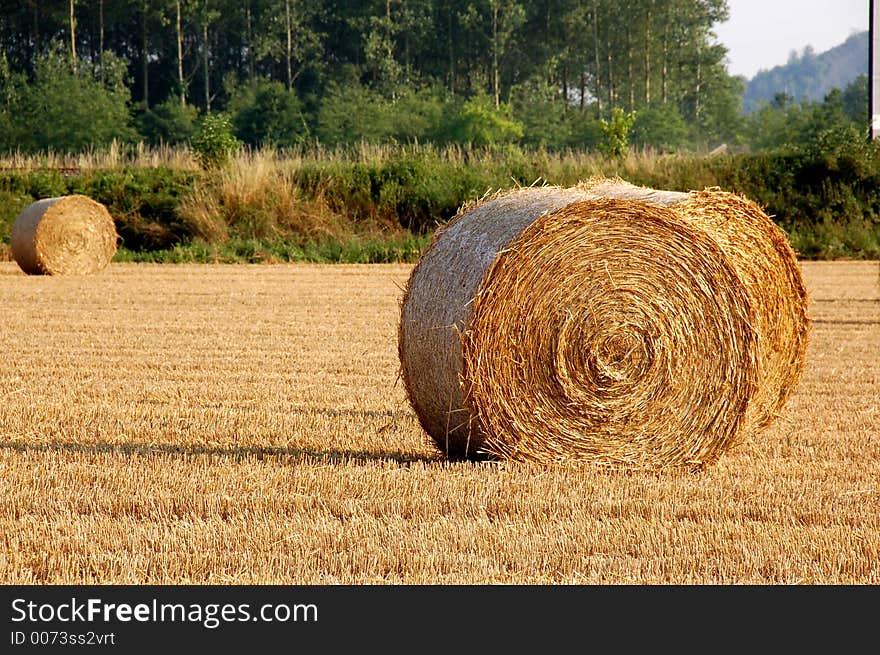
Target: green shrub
(662, 128)
(480, 123)
(265, 113)
(214, 142)
(169, 122)
(616, 132)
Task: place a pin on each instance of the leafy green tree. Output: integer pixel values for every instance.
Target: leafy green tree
(828, 127)
(285, 32)
(545, 119)
(855, 100)
(776, 124)
(808, 126)
(169, 122)
(265, 113)
(721, 119)
(350, 113)
(481, 123)
(661, 127)
(379, 44)
(371, 69)
(68, 111)
(420, 114)
(354, 112)
(493, 24)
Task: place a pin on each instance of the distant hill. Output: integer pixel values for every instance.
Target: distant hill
(810, 76)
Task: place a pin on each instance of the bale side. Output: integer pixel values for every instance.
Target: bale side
(436, 308)
(24, 231)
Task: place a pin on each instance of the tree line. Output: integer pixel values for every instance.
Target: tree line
(555, 73)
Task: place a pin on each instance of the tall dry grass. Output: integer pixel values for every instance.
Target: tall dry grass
(116, 155)
(258, 196)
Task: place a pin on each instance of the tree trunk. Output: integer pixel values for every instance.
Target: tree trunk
(610, 62)
(145, 61)
(206, 60)
(73, 34)
(36, 47)
(181, 80)
(596, 54)
(648, 59)
(583, 89)
(664, 73)
(565, 86)
(496, 77)
(100, 28)
(289, 45)
(629, 71)
(451, 55)
(250, 39)
(698, 86)
(389, 50)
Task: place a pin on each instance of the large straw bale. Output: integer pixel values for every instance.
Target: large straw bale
(67, 235)
(550, 324)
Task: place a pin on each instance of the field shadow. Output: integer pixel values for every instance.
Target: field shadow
(329, 456)
(816, 321)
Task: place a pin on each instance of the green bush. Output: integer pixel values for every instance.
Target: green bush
(661, 128)
(169, 122)
(214, 143)
(616, 132)
(480, 123)
(265, 113)
(144, 202)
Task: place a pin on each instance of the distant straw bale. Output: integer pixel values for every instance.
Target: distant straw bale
(550, 324)
(68, 235)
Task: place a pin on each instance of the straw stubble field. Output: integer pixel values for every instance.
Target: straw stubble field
(246, 424)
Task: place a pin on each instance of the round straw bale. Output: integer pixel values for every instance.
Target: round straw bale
(765, 263)
(68, 235)
(542, 326)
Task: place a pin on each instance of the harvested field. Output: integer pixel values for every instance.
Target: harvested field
(245, 424)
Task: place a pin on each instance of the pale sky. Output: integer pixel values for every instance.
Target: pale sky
(761, 33)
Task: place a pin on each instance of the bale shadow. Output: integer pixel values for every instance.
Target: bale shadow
(331, 456)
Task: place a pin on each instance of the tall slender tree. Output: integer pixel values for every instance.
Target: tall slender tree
(72, 14)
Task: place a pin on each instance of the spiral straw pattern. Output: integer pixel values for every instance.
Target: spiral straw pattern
(767, 266)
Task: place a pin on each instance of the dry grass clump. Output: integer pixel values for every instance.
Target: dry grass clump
(547, 324)
(257, 197)
(68, 235)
